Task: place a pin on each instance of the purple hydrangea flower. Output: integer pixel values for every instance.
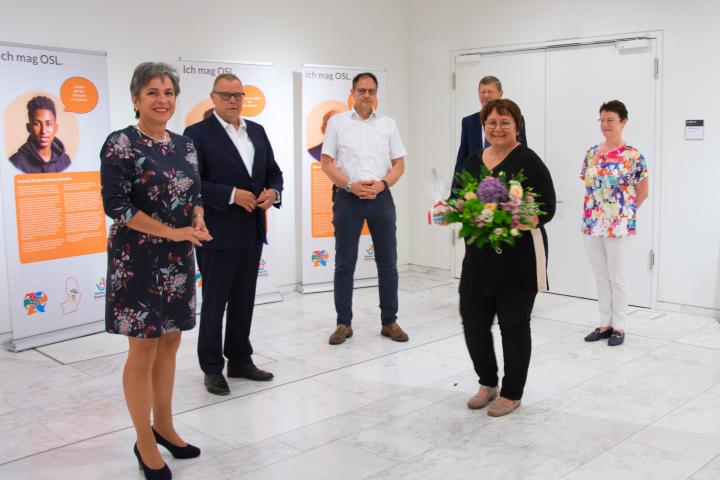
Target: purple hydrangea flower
(491, 190)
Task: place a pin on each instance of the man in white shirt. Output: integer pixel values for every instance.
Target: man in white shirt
(240, 181)
(363, 156)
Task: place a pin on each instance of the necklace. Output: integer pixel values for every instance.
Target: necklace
(164, 139)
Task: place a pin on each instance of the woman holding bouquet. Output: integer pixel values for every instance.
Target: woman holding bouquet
(505, 281)
(616, 184)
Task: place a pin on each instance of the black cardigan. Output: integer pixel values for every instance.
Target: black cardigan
(486, 273)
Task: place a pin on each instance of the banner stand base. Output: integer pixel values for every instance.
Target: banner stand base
(25, 343)
(268, 298)
(329, 287)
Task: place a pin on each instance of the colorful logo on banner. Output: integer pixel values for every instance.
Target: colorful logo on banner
(320, 258)
(198, 279)
(100, 287)
(370, 253)
(262, 268)
(34, 302)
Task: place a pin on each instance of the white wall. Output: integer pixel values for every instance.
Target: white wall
(688, 253)
(289, 33)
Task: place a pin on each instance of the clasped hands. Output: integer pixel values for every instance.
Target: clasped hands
(367, 189)
(247, 200)
(196, 234)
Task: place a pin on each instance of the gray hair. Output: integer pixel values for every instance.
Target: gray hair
(146, 71)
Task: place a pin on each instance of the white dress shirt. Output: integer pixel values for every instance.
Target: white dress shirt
(363, 149)
(240, 138)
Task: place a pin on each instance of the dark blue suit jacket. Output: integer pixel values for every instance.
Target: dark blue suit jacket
(471, 139)
(221, 169)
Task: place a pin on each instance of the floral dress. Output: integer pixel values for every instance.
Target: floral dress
(610, 205)
(151, 280)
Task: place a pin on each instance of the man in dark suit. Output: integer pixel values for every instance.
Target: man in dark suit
(240, 180)
(472, 138)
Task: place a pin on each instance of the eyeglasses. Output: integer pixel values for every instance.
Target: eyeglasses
(608, 121)
(504, 124)
(226, 96)
(369, 91)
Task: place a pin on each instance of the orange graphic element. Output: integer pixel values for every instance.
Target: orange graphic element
(254, 102)
(317, 120)
(199, 112)
(79, 95)
(351, 102)
(59, 215)
(321, 212)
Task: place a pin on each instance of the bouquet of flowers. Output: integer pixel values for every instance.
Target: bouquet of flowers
(490, 208)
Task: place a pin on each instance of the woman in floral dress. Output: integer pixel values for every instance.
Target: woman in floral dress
(151, 189)
(616, 184)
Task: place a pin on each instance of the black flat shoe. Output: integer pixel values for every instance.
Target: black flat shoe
(163, 473)
(188, 451)
(217, 384)
(249, 371)
(596, 335)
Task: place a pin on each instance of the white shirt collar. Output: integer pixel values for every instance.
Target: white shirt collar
(225, 124)
(355, 115)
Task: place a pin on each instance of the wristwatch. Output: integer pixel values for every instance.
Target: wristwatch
(348, 187)
(387, 187)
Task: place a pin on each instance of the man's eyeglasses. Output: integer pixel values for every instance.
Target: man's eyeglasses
(504, 124)
(369, 91)
(226, 96)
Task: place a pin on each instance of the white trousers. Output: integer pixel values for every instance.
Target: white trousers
(607, 256)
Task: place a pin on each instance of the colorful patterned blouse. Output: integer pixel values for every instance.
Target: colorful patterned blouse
(610, 201)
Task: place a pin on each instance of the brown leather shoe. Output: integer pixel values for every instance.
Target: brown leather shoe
(499, 410)
(484, 396)
(394, 331)
(340, 334)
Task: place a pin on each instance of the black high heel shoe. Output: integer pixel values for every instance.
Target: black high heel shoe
(188, 451)
(163, 473)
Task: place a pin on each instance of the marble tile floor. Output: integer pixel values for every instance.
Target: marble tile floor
(375, 409)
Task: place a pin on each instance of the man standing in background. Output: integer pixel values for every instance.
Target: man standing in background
(240, 181)
(472, 138)
(363, 156)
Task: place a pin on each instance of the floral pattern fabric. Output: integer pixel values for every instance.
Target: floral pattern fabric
(150, 280)
(609, 206)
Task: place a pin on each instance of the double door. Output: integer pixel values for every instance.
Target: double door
(559, 90)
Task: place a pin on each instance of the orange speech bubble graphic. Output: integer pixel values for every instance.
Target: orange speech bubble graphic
(254, 102)
(79, 95)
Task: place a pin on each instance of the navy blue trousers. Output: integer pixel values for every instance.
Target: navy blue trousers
(349, 214)
(229, 278)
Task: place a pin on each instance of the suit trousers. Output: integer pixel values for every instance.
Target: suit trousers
(229, 278)
(513, 313)
(608, 256)
(349, 214)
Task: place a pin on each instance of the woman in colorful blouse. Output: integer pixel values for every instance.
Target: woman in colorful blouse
(151, 189)
(616, 184)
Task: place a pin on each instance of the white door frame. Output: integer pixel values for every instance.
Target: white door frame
(465, 55)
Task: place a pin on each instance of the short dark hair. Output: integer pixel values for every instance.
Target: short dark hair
(146, 71)
(489, 80)
(362, 75)
(40, 103)
(615, 106)
(225, 76)
(503, 106)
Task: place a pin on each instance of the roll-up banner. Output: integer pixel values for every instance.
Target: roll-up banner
(194, 104)
(54, 118)
(326, 92)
